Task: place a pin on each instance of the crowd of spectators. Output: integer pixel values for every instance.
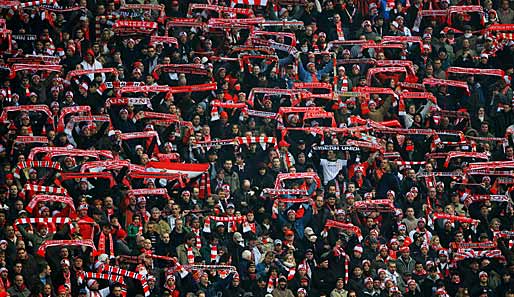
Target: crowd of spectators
(290, 148)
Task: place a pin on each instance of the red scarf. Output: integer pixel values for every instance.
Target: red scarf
(101, 244)
(214, 254)
(9, 94)
(190, 255)
(291, 273)
(287, 160)
(339, 29)
(5, 283)
(271, 284)
(78, 45)
(344, 83)
(198, 238)
(171, 289)
(340, 189)
(67, 280)
(249, 227)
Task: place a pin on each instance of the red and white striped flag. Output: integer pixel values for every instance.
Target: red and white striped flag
(250, 2)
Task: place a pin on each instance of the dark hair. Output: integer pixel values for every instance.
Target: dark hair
(189, 236)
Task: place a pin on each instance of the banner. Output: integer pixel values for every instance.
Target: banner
(336, 147)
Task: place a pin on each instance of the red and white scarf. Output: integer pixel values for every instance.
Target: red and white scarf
(197, 237)
(344, 83)
(131, 274)
(214, 254)
(67, 279)
(272, 282)
(249, 227)
(190, 255)
(291, 273)
(339, 30)
(286, 159)
(76, 242)
(46, 189)
(101, 244)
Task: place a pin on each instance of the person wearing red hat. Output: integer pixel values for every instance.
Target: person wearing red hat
(90, 63)
(85, 222)
(39, 236)
(71, 58)
(405, 262)
(93, 289)
(234, 289)
(170, 285)
(5, 282)
(62, 291)
(286, 157)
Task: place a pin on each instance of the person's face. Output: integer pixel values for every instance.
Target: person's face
(43, 232)
(196, 224)
(22, 254)
(147, 244)
(18, 280)
(64, 253)
(496, 225)
(9, 230)
(276, 163)
(78, 262)
(151, 52)
(392, 267)
(165, 237)
(509, 151)
(116, 291)
(108, 202)
(47, 289)
(18, 267)
(156, 214)
(175, 210)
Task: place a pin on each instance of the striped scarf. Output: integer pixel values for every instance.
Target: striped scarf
(101, 244)
(214, 253)
(339, 29)
(344, 83)
(291, 273)
(286, 158)
(205, 186)
(272, 282)
(190, 255)
(249, 227)
(198, 238)
(130, 274)
(207, 225)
